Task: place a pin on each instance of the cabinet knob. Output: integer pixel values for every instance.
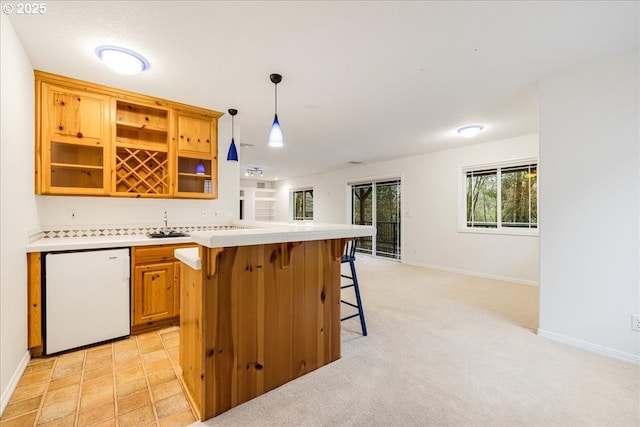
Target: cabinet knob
(60, 127)
(79, 135)
(181, 136)
(207, 141)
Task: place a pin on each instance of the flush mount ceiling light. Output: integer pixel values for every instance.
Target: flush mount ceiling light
(254, 172)
(233, 153)
(275, 136)
(470, 131)
(121, 60)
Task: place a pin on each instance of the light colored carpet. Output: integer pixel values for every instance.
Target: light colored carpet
(449, 349)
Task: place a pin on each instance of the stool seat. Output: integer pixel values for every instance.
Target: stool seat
(349, 256)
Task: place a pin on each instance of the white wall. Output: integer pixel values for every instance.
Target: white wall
(17, 209)
(430, 209)
(590, 206)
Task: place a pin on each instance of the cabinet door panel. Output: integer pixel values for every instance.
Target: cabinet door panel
(76, 115)
(194, 135)
(154, 293)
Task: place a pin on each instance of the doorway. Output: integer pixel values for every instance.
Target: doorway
(378, 202)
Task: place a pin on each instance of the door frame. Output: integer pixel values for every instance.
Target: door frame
(349, 206)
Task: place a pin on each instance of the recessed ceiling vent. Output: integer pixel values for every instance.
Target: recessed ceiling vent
(261, 185)
(353, 162)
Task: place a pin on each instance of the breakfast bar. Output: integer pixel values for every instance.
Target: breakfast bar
(259, 307)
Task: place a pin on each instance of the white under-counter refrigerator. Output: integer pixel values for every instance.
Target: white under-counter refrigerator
(86, 297)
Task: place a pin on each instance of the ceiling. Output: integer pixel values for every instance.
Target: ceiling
(363, 81)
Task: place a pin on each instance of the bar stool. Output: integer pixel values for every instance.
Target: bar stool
(350, 257)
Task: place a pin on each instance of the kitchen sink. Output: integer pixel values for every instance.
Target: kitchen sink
(164, 234)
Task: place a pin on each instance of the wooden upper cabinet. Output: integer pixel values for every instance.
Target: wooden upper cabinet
(195, 134)
(96, 140)
(197, 155)
(73, 133)
(75, 115)
(141, 158)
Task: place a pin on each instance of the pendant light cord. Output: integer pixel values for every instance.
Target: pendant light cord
(276, 109)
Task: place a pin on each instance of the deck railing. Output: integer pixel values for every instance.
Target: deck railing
(387, 239)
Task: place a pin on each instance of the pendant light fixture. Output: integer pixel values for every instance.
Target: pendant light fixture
(275, 136)
(233, 153)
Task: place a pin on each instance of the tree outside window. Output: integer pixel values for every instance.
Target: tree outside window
(515, 205)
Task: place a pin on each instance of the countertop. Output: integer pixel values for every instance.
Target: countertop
(255, 233)
(262, 233)
(101, 242)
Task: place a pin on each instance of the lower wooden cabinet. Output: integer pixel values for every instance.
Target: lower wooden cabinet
(155, 287)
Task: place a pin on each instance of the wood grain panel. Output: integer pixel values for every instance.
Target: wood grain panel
(222, 307)
(258, 317)
(34, 299)
(245, 299)
(191, 336)
(154, 291)
(278, 282)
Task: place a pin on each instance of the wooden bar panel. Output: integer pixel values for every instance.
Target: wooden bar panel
(259, 317)
(305, 327)
(278, 285)
(223, 383)
(246, 321)
(191, 335)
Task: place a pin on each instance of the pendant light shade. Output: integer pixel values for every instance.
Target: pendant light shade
(232, 156)
(275, 136)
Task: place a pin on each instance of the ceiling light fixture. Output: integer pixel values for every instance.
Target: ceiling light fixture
(470, 131)
(121, 60)
(275, 136)
(254, 172)
(232, 156)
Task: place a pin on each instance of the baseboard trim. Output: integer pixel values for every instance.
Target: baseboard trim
(11, 387)
(593, 348)
(474, 274)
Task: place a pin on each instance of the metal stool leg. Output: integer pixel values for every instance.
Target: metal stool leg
(358, 305)
(356, 287)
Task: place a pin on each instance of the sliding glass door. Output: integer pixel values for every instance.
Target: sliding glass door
(378, 203)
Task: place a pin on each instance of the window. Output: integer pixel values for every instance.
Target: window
(502, 197)
(303, 205)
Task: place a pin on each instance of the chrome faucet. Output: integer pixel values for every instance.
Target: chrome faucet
(165, 221)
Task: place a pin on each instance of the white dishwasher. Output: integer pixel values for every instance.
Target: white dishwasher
(86, 298)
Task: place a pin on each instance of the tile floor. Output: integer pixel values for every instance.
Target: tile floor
(131, 382)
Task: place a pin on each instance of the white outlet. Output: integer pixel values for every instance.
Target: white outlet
(72, 214)
(635, 322)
